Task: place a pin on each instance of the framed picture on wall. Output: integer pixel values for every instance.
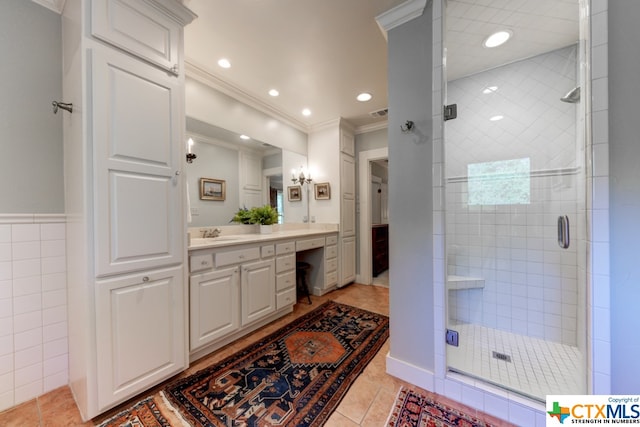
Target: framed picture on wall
(295, 193)
(323, 191)
(213, 189)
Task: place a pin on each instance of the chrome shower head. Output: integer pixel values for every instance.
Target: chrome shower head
(573, 96)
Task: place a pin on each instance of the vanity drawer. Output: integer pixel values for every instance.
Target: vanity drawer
(236, 257)
(200, 262)
(331, 252)
(286, 298)
(268, 251)
(285, 248)
(332, 240)
(285, 281)
(285, 263)
(139, 28)
(331, 279)
(303, 245)
(331, 265)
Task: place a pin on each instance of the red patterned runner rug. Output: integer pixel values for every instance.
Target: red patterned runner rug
(413, 409)
(296, 376)
(145, 413)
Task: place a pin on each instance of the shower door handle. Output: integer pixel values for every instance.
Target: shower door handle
(563, 232)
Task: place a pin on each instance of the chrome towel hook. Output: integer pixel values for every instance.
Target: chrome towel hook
(64, 106)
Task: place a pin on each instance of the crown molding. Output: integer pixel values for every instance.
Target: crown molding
(55, 5)
(400, 14)
(199, 74)
(372, 127)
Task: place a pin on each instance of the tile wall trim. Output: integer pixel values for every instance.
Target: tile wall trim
(32, 218)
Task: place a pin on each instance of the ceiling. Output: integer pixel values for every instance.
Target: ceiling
(321, 54)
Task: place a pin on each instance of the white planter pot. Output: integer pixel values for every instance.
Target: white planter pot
(266, 229)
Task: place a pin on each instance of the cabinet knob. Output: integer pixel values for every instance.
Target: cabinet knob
(145, 279)
(177, 173)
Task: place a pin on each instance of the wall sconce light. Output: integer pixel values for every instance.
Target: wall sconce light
(300, 178)
(190, 156)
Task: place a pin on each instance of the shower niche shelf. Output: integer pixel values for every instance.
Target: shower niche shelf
(457, 283)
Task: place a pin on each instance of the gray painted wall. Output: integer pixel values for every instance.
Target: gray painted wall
(31, 150)
(410, 193)
(624, 140)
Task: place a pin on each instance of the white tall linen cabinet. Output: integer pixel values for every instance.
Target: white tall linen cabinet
(124, 197)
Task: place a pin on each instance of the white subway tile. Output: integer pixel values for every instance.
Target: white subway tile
(54, 315)
(25, 250)
(52, 248)
(28, 391)
(6, 270)
(6, 364)
(24, 286)
(54, 332)
(54, 265)
(28, 374)
(25, 233)
(55, 381)
(27, 303)
(26, 339)
(6, 291)
(55, 348)
(53, 231)
(56, 364)
(6, 382)
(5, 252)
(54, 298)
(55, 281)
(27, 321)
(6, 398)
(28, 357)
(26, 268)
(5, 233)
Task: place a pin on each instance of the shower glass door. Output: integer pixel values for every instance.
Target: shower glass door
(516, 261)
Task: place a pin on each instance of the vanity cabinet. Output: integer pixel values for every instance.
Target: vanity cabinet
(123, 148)
(347, 208)
(258, 290)
(214, 303)
(285, 274)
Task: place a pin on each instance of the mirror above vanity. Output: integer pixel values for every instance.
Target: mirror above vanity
(231, 171)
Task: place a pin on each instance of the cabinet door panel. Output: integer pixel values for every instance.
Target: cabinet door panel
(348, 260)
(137, 27)
(139, 332)
(258, 290)
(348, 217)
(136, 146)
(348, 176)
(214, 305)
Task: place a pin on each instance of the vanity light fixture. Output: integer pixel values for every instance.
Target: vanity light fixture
(300, 178)
(224, 63)
(274, 92)
(364, 97)
(498, 38)
(190, 156)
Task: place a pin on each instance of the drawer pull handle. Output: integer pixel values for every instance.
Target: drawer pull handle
(145, 279)
(203, 262)
(241, 256)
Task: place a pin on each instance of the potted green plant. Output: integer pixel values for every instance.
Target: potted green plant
(243, 216)
(265, 216)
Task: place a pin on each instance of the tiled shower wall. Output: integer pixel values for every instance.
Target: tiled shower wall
(530, 282)
(33, 307)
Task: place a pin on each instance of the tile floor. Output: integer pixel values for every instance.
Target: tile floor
(537, 368)
(367, 403)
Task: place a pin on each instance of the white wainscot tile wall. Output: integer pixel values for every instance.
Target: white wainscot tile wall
(33, 308)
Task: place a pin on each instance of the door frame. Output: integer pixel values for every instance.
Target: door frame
(365, 158)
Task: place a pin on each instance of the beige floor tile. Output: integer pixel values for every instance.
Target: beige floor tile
(358, 400)
(379, 410)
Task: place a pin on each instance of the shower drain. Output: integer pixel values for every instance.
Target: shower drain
(501, 356)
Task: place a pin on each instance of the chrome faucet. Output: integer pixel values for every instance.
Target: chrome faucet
(211, 232)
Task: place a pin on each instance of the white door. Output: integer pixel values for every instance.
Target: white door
(214, 308)
(258, 290)
(140, 333)
(138, 189)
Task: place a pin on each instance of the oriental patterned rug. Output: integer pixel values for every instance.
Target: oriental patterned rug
(294, 377)
(145, 413)
(412, 409)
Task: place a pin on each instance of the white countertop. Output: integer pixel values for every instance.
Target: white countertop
(244, 238)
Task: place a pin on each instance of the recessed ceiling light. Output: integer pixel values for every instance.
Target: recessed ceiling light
(245, 137)
(497, 38)
(364, 97)
(490, 89)
(306, 112)
(224, 63)
(274, 92)
(496, 118)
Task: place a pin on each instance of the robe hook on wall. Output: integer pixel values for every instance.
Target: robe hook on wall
(407, 127)
(62, 105)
